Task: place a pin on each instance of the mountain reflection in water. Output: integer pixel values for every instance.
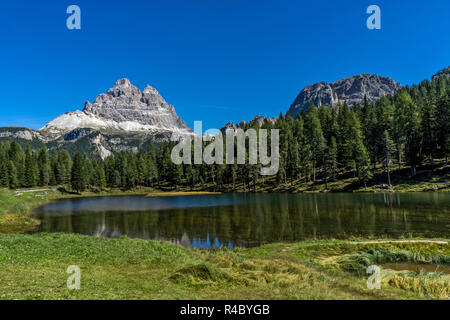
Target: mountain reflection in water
(246, 220)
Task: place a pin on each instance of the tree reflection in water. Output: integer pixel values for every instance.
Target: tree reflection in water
(246, 220)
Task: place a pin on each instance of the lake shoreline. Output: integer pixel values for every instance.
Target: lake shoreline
(15, 209)
(211, 220)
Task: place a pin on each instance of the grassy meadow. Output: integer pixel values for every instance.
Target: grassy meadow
(33, 266)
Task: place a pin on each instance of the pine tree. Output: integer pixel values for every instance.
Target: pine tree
(304, 151)
(413, 139)
(43, 167)
(345, 138)
(388, 151)
(4, 174)
(442, 129)
(99, 176)
(428, 125)
(330, 160)
(13, 180)
(370, 130)
(29, 176)
(313, 131)
(64, 167)
(401, 118)
(77, 176)
(363, 164)
(53, 167)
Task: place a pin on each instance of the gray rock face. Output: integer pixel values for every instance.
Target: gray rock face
(76, 134)
(123, 108)
(444, 72)
(259, 119)
(20, 133)
(229, 126)
(349, 90)
(124, 102)
(122, 119)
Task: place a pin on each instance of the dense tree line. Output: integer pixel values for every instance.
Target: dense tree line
(410, 128)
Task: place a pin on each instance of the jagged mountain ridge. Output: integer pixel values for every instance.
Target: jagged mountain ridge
(122, 119)
(350, 90)
(441, 73)
(122, 108)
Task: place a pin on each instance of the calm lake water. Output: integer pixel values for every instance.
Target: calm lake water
(247, 220)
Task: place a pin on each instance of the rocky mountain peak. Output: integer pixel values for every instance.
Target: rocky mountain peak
(350, 90)
(441, 73)
(124, 82)
(125, 108)
(230, 125)
(258, 119)
(123, 87)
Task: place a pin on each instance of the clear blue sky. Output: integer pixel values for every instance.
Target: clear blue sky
(215, 60)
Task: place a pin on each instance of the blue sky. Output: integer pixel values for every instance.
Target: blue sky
(215, 61)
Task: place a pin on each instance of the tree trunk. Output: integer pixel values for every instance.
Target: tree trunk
(389, 175)
(413, 170)
(314, 170)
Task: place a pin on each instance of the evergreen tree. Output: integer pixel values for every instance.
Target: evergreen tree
(413, 136)
(4, 174)
(64, 167)
(362, 163)
(401, 118)
(313, 131)
(304, 151)
(13, 180)
(428, 125)
(29, 176)
(388, 151)
(330, 161)
(77, 177)
(442, 129)
(371, 130)
(43, 166)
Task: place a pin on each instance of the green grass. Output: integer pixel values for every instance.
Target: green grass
(14, 210)
(34, 267)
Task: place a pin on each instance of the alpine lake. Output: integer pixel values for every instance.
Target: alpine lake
(248, 220)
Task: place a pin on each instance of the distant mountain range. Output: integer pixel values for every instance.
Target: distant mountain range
(124, 118)
(349, 90)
